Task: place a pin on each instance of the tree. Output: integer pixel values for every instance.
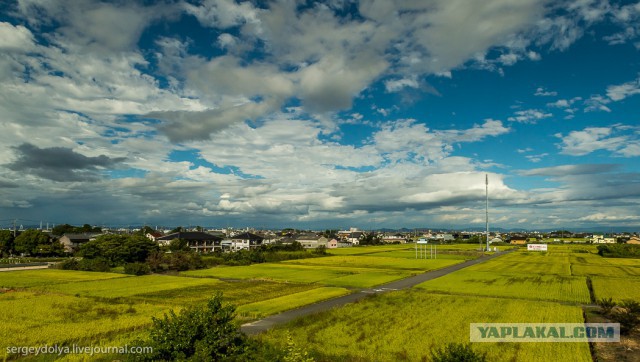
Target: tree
(119, 249)
(201, 333)
(6, 242)
(179, 245)
(29, 242)
(179, 229)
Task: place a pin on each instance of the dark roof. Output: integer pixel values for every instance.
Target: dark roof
(190, 235)
(80, 237)
(248, 236)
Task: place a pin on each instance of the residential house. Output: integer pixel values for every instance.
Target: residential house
(242, 241)
(633, 240)
(72, 242)
(354, 237)
(311, 241)
(394, 238)
(154, 235)
(332, 244)
(198, 241)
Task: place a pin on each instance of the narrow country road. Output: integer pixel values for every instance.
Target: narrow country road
(262, 325)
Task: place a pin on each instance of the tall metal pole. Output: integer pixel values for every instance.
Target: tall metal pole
(486, 182)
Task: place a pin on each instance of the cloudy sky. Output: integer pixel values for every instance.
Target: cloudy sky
(340, 113)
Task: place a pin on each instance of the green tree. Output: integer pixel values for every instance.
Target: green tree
(137, 248)
(201, 333)
(30, 241)
(6, 242)
(179, 245)
(119, 249)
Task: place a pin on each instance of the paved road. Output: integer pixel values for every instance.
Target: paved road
(266, 323)
(31, 267)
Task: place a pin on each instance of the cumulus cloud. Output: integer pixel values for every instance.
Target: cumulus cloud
(15, 38)
(616, 139)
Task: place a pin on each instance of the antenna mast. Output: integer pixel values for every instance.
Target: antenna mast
(486, 183)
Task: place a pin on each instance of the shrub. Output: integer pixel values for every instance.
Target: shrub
(97, 265)
(457, 352)
(69, 264)
(294, 353)
(606, 305)
(628, 315)
(201, 333)
(619, 250)
(137, 269)
(320, 250)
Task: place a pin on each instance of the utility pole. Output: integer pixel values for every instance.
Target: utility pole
(486, 182)
(14, 228)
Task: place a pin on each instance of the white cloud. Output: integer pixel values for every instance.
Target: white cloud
(396, 85)
(616, 139)
(529, 116)
(597, 103)
(541, 92)
(15, 38)
(622, 91)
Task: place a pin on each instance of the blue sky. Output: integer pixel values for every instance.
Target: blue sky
(371, 114)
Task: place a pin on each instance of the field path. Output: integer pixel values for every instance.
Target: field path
(262, 325)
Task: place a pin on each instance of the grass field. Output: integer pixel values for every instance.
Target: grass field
(405, 325)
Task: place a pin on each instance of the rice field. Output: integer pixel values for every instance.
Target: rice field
(533, 287)
(377, 262)
(56, 306)
(31, 278)
(291, 301)
(406, 325)
(33, 319)
(125, 287)
(616, 288)
(309, 274)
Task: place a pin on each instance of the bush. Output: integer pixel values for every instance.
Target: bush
(628, 315)
(69, 264)
(137, 269)
(97, 265)
(202, 333)
(606, 305)
(457, 352)
(619, 250)
(320, 250)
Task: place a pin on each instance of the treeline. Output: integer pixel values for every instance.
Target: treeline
(619, 250)
(30, 242)
(138, 255)
(268, 253)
